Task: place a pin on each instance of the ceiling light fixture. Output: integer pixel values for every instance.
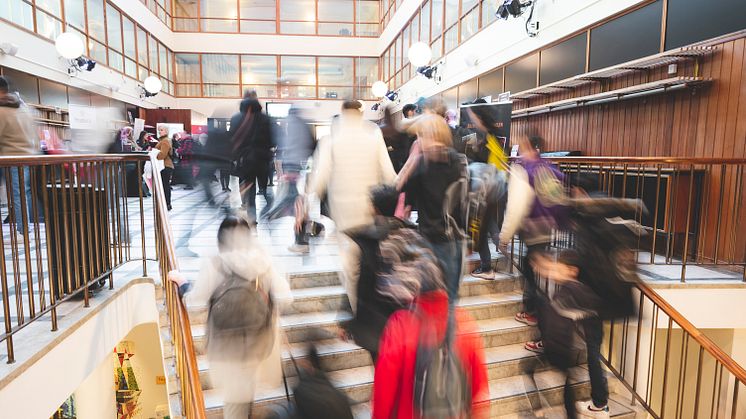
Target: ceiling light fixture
(379, 89)
(151, 87)
(420, 54)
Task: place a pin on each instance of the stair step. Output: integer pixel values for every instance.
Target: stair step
(502, 361)
(493, 312)
(507, 395)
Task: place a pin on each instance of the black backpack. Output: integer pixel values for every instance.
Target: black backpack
(606, 236)
(240, 319)
(441, 386)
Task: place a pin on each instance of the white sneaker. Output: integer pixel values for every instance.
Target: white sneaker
(299, 248)
(588, 409)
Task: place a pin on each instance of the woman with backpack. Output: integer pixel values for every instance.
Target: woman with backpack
(243, 295)
(435, 181)
(415, 340)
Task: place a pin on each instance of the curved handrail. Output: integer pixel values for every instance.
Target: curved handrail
(738, 372)
(191, 389)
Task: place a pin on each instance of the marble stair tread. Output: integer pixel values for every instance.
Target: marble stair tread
(353, 377)
(298, 294)
(616, 410)
(498, 298)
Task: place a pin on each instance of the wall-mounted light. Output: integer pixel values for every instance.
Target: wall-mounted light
(7, 48)
(420, 54)
(391, 95)
(151, 87)
(379, 89)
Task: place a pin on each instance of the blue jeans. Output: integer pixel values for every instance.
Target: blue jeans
(16, 187)
(450, 255)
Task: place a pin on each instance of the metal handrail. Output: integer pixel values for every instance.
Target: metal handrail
(192, 399)
(84, 249)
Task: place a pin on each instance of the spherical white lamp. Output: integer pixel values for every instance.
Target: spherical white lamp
(420, 54)
(152, 85)
(69, 45)
(379, 89)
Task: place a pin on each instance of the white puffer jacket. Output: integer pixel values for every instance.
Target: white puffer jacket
(348, 164)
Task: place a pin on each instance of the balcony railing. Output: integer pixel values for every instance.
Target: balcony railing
(694, 218)
(73, 221)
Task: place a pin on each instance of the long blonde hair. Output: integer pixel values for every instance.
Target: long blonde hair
(433, 132)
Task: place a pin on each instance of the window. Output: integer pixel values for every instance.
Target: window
(298, 70)
(258, 69)
(187, 68)
(491, 84)
(425, 23)
(452, 12)
(451, 38)
(335, 71)
(367, 11)
(18, 12)
(258, 9)
(220, 68)
(299, 10)
(298, 28)
(225, 9)
(96, 27)
(142, 47)
(469, 25)
(489, 8)
(437, 21)
(416, 28)
(75, 13)
(336, 11)
(128, 30)
(47, 26)
(113, 28)
(185, 8)
(153, 53)
(258, 26)
(521, 75)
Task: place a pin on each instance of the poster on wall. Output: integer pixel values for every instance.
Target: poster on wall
(127, 389)
(492, 118)
(82, 117)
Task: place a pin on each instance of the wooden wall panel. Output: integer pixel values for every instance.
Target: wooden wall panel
(704, 122)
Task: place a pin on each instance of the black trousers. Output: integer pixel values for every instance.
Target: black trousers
(259, 175)
(594, 333)
(166, 175)
(225, 178)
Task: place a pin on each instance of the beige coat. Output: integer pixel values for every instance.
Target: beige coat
(17, 134)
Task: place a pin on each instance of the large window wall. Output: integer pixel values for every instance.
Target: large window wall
(444, 24)
(112, 39)
(275, 77)
(290, 17)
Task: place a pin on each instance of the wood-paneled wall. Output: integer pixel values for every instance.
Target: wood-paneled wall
(171, 116)
(704, 122)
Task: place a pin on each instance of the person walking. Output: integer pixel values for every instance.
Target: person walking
(350, 162)
(17, 138)
(536, 204)
(251, 135)
(409, 336)
(435, 182)
(241, 268)
(164, 153)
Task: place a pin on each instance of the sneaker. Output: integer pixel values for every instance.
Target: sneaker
(535, 346)
(588, 409)
(299, 248)
(526, 318)
(479, 273)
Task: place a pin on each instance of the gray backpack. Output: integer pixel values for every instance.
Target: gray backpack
(240, 319)
(441, 386)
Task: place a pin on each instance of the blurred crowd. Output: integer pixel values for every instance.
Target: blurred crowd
(410, 199)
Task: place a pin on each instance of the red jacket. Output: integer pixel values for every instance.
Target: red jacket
(393, 385)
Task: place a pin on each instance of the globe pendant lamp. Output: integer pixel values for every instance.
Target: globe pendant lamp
(152, 85)
(69, 45)
(379, 89)
(420, 54)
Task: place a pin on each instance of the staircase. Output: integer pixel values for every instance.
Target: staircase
(320, 304)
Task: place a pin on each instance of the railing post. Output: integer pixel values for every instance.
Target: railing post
(685, 256)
